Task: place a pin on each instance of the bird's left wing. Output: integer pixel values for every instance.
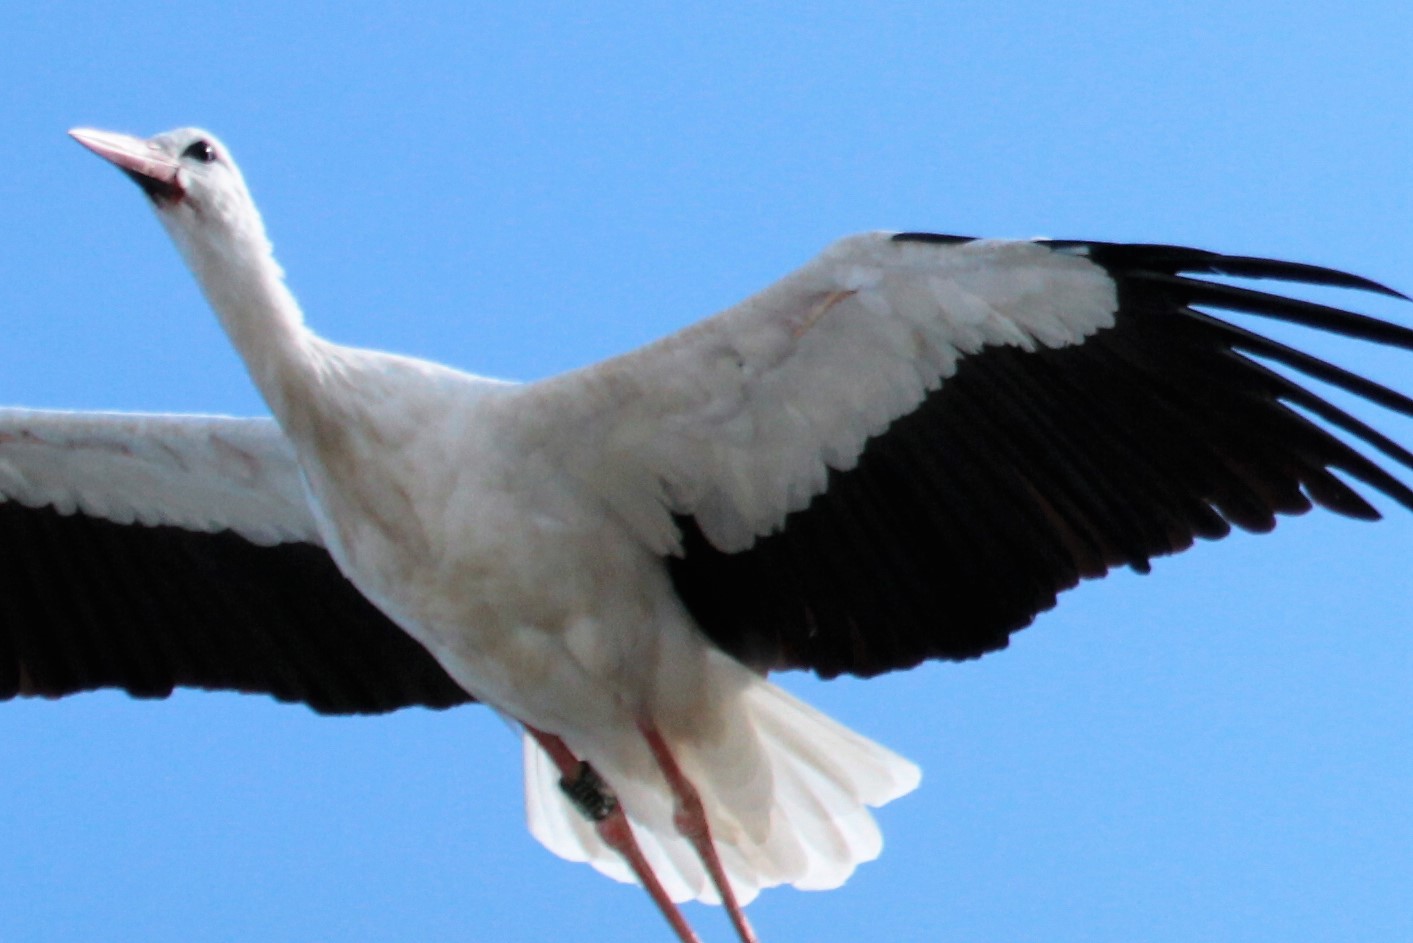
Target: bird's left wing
(145, 552)
(907, 448)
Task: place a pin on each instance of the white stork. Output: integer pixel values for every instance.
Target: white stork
(902, 451)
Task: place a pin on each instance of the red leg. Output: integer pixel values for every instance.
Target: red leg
(690, 819)
(612, 826)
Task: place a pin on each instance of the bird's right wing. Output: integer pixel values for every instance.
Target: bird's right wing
(146, 552)
(908, 447)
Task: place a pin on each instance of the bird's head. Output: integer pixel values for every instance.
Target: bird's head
(183, 170)
(195, 187)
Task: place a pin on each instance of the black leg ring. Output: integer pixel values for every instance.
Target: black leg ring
(590, 794)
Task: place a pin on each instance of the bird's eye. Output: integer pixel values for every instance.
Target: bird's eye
(200, 150)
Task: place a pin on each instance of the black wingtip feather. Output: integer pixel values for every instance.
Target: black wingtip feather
(936, 238)
(1194, 291)
(1249, 267)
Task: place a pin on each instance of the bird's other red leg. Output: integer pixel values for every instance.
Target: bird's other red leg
(592, 797)
(690, 819)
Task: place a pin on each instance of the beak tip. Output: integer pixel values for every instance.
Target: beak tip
(90, 138)
(155, 172)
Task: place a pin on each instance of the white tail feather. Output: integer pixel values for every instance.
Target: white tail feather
(787, 792)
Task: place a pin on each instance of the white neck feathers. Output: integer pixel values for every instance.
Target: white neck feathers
(236, 268)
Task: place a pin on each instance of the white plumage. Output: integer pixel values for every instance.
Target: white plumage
(202, 473)
(902, 451)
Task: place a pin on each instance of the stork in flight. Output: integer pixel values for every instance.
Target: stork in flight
(903, 451)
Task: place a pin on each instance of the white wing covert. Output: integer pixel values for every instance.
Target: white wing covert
(205, 473)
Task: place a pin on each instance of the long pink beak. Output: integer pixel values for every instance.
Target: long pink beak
(153, 170)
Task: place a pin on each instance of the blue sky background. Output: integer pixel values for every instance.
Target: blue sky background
(1218, 751)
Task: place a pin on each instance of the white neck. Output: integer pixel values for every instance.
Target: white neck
(245, 285)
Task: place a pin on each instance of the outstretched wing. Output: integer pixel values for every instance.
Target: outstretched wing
(151, 552)
(907, 448)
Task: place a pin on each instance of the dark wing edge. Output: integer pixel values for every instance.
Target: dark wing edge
(1026, 472)
(87, 604)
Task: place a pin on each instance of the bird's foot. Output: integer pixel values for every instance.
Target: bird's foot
(690, 819)
(592, 797)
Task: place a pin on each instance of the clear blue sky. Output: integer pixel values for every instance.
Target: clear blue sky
(1219, 751)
